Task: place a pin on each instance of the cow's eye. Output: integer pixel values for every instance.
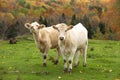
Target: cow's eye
(31, 27)
(66, 30)
(58, 30)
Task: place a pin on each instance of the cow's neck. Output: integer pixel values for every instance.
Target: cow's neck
(36, 34)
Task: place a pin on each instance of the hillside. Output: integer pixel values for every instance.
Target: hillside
(96, 15)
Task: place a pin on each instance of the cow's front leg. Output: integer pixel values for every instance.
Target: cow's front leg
(65, 65)
(72, 53)
(58, 56)
(45, 56)
(64, 59)
(44, 59)
(65, 62)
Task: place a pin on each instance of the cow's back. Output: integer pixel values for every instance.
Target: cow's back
(79, 35)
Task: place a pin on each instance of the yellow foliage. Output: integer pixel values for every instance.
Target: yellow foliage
(10, 15)
(3, 4)
(1, 14)
(21, 15)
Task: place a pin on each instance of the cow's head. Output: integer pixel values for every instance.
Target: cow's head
(62, 29)
(33, 27)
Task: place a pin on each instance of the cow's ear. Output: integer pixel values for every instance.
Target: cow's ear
(55, 27)
(69, 27)
(41, 26)
(27, 25)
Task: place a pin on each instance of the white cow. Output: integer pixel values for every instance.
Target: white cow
(73, 40)
(45, 38)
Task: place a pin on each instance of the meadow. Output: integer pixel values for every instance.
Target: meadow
(23, 61)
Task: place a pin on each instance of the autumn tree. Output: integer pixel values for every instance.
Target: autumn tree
(74, 20)
(86, 22)
(102, 27)
(112, 18)
(72, 2)
(62, 18)
(21, 2)
(98, 34)
(41, 20)
(45, 22)
(3, 28)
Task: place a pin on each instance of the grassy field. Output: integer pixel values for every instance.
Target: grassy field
(23, 61)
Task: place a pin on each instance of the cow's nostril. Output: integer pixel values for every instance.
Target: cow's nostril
(61, 38)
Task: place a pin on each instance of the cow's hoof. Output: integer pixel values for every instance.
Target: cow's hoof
(76, 65)
(69, 71)
(44, 65)
(56, 62)
(84, 65)
(65, 70)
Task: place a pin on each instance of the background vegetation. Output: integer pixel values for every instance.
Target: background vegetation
(100, 17)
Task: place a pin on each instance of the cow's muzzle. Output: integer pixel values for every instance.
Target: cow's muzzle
(61, 38)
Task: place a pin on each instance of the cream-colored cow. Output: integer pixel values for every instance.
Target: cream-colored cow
(45, 38)
(73, 40)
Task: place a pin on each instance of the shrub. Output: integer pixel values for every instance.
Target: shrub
(12, 30)
(21, 2)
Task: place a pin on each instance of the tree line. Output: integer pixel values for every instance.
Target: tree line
(97, 17)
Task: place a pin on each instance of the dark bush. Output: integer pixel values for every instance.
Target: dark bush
(12, 30)
(12, 40)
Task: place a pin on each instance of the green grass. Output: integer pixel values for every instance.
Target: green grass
(23, 61)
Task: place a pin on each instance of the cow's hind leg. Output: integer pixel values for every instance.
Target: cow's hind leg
(77, 55)
(84, 55)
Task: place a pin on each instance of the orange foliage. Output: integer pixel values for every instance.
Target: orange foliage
(112, 18)
(68, 11)
(48, 13)
(113, 15)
